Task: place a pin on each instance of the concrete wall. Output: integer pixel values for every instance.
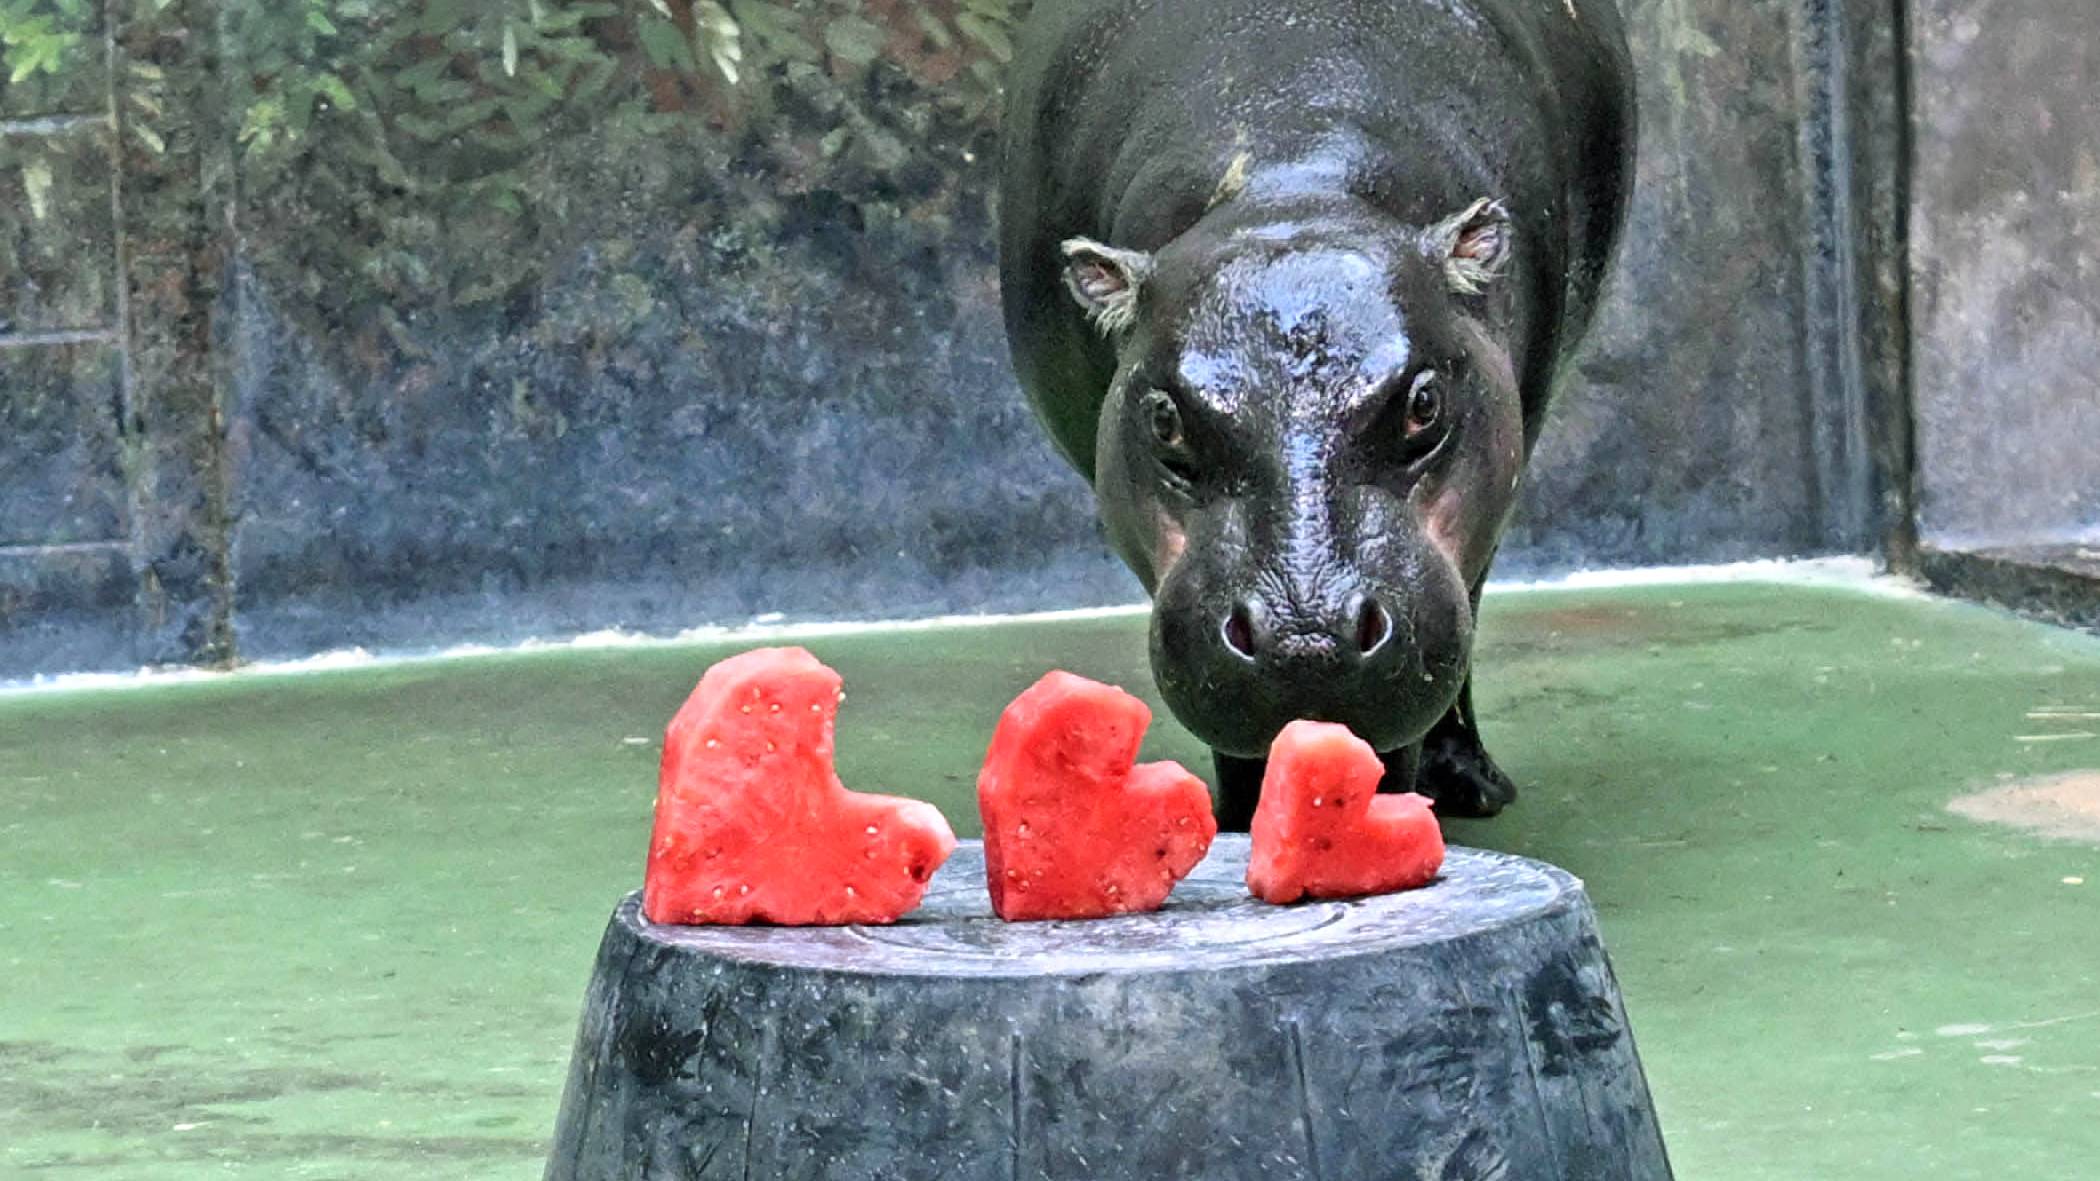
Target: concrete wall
(417, 321)
(2006, 264)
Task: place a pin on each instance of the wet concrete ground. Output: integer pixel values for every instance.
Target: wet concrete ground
(338, 926)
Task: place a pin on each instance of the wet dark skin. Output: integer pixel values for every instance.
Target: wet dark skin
(1291, 283)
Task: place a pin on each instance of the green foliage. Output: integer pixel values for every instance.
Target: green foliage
(38, 36)
(777, 30)
(855, 40)
(404, 154)
(397, 158)
(987, 22)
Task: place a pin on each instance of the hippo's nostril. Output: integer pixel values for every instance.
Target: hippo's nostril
(1373, 626)
(1239, 631)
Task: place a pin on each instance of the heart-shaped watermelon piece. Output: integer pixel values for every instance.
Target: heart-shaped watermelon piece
(1321, 830)
(1072, 828)
(752, 823)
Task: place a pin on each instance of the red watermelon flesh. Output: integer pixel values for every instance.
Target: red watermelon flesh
(1072, 829)
(752, 824)
(1322, 830)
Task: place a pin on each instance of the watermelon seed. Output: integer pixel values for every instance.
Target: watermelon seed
(747, 709)
(744, 889)
(718, 891)
(770, 746)
(1183, 822)
(1316, 801)
(713, 743)
(851, 892)
(1114, 890)
(775, 708)
(1013, 873)
(871, 830)
(816, 707)
(1023, 830)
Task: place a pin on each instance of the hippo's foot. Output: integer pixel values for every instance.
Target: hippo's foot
(1459, 774)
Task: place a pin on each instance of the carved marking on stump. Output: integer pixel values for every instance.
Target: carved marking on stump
(1013, 1106)
(758, 1092)
(1531, 1071)
(1312, 1147)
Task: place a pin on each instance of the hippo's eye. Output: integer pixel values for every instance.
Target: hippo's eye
(1425, 404)
(1160, 416)
(1164, 418)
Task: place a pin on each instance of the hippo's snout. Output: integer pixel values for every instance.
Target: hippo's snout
(1355, 633)
(1237, 656)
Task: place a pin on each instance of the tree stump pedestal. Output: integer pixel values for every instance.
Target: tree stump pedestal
(1468, 1031)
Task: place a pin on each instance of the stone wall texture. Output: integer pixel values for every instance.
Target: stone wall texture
(2006, 271)
(399, 323)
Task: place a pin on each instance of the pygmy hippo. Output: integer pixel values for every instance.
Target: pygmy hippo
(1291, 281)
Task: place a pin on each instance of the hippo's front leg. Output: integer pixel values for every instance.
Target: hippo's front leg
(1239, 789)
(1456, 769)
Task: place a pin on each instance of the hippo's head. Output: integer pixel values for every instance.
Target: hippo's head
(1307, 454)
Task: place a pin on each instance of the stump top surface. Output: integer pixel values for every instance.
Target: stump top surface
(1209, 923)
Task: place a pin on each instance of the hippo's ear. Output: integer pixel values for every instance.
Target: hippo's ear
(1105, 281)
(1473, 246)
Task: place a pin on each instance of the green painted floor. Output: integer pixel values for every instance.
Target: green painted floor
(338, 925)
